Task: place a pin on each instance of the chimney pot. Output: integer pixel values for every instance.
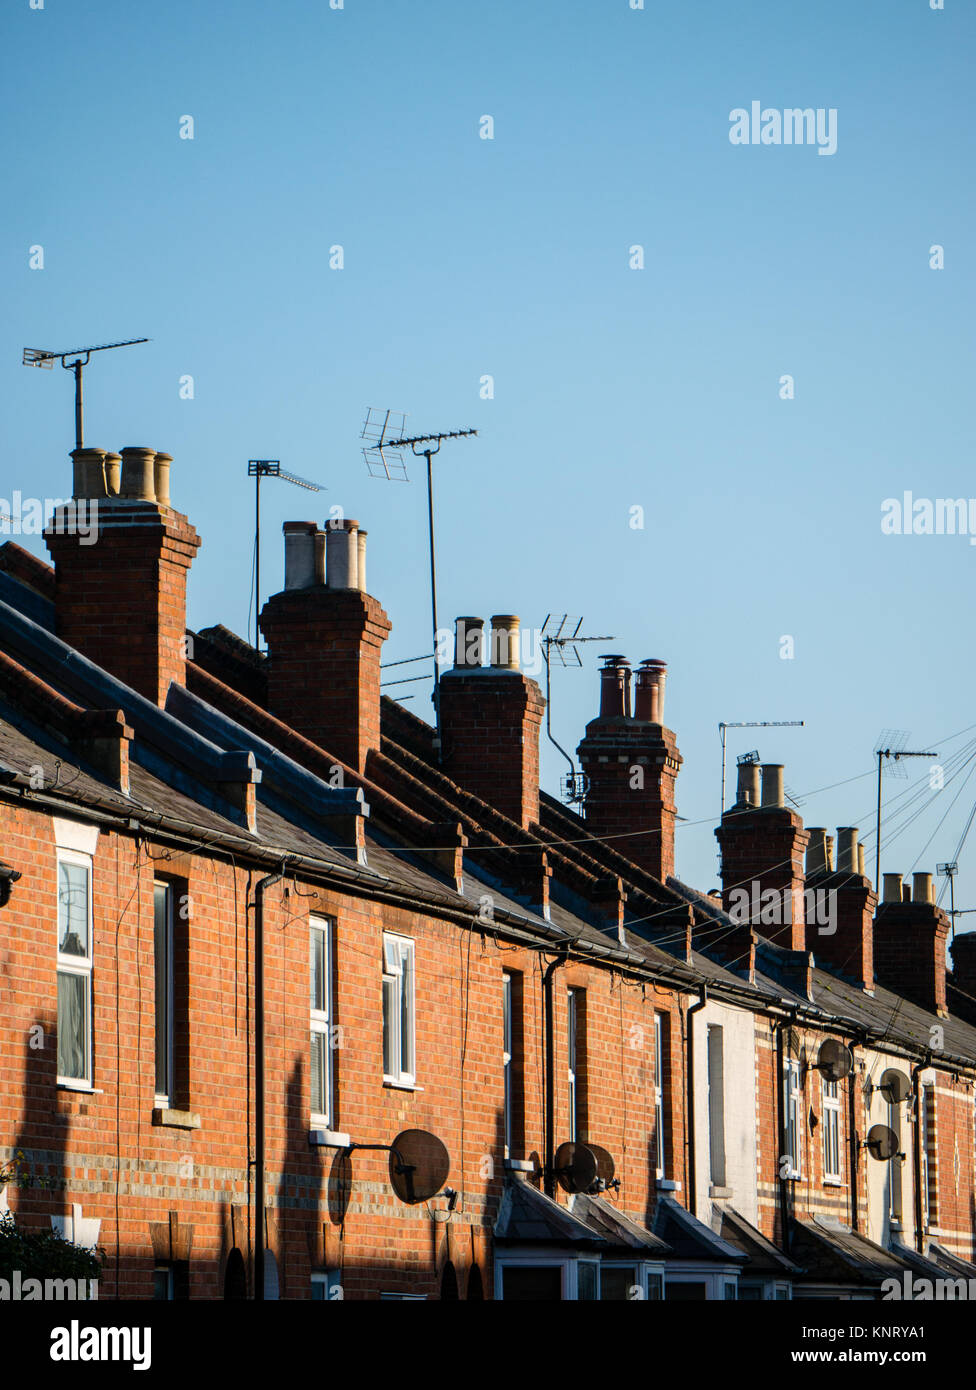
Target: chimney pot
(342, 556)
(860, 860)
(772, 784)
(113, 473)
(505, 641)
(615, 687)
(649, 690)
(892, 888)
(299, 553)
(469, 642)
(161, 467)
(816, 861)
(138, 474)
(922, 888)
(747, 787)
(847, 857)
(361, 559)
(89, 472)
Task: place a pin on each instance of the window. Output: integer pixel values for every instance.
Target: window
(514, 1113)
(716, 1106)
(576, 1061)
(507, 1057)
(320, 1018)
(163, 947)
(831, 1130)
(660, 1033)
(398, 1010)
(74, 968)
(793, 1104)
(930, 1215)
(171, 1280)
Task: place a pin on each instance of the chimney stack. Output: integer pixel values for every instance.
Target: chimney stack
(325, 636)
(839, 907)
(631, 765)
(490, 718)
(121, 556)
(910, 935)
(762, 859)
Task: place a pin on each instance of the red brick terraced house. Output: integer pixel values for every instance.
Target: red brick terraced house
(301, 1000)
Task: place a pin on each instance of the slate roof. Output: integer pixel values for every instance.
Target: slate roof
(616, 1226)
(528, 1217)
(764, 1257)
(832, 1253)
(691, 1239)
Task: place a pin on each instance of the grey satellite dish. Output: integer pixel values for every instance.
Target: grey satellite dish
(605, 1166)
(894, 1086)
(882, 1142)
(575, 1167)
(834, 1060)
(419, 1165)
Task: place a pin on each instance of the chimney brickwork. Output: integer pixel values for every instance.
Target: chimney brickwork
(120, 587)
(631, 764)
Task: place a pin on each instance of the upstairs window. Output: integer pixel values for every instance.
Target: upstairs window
(576, 1062)
(716, 1105)
(831, 1130)
(74, 969)
(163, 950)
(793, 1105)
(399, 1064)
(320, 1019)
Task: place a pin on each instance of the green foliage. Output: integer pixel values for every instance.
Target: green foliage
(43, 1254)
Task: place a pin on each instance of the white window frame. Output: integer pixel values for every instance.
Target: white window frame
(507, 1061)
(399, 962)
(163, 1098)
(793, 1104)
(831, 1130)
(77, 965)
(320, 1020)
(659, 1093)
(572, 1023)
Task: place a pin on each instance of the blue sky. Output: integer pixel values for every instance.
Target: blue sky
(613, 388)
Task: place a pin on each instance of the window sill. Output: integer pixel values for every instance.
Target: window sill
(391, 1085)
(519, 1165)
(84, 1087)
(668, 1185)
(175, 1119)
(714, 1191)
(323, 1138)
(832, 1182)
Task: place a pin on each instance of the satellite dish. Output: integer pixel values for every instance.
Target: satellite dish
(605, 1167)
(834, 1060)
(882, 1142)
(894, 1086)
(575, 1167)
(419, 1165)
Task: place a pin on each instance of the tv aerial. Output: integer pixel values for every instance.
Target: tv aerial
(258, 469)
(73, 361)
(387, 440)
(949, 871)
(890, 746)
(560, 640)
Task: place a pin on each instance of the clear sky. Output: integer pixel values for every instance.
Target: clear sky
(614, 388)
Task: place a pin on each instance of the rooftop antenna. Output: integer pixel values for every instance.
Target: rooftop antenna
(40, 357)
(751, 724)
(560, 638)
(258, 469)
(384, 457)
(949, 871)
(890, 745)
